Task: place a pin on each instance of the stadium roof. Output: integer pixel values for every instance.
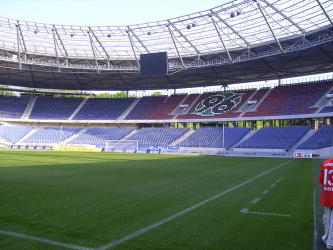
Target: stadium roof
(222, 36)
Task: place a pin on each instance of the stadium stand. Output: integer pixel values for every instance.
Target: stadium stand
(192, 114)
(275, 137)
(103, 108)
(164, 111)
(294, 99)
(212, 137)
(158, 136)
(13, 134)
(327, 109)
(51, 135)
(145, 108)
(321, 139)
(13, 107)
(98, 136)
(282, 100)
(62, 108)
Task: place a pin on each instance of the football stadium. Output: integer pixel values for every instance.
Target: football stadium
(210, 135)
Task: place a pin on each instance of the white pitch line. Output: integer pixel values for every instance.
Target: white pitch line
(46, 241)
(265, 192)
(277, 181)
(246, 211)
(187, 210)
(273, 185)
(255, 200)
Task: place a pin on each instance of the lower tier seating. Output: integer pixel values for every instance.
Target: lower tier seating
(158, 136)
(321, 139)
(212, 137)
(275, 137)
(98, 136)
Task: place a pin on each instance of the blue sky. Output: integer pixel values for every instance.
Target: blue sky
(101, 12)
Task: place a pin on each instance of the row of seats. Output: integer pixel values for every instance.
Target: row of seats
(212, 137)
(320, 139)
(281, 100)
(275, 137)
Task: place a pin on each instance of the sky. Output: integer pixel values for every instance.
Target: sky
(101, 12)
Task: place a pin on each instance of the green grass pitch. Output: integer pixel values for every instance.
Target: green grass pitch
(91, 200)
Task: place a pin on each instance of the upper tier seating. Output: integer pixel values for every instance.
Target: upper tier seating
(294, 99)
(13, 134)
(212, 137)
(275, 137)
(13, 107)
(61, 108)
(51, 135)
(158, 136)
(282, 100)
(232, 112)
(98, 136)
(321, 139)
(103, 108)
(145, 107)
(164, 111)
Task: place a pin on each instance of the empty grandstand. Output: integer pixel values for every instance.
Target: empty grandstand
(243, 79)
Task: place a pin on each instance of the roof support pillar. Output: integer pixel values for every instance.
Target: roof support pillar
(176, 47)
(269, 26)
(62, 44)
(18, 45)
(55, 49)
(325, 12)
(221, 39)
(185, 38)
(132, 46)
(101, 45)
(232, 29)
(93, 49)
(138, 39)
(284, 15)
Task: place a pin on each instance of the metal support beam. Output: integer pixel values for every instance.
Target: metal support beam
(93, 49)
(325, 12)
(232, 29)
(22, 39)
(101, 45)
(132, 46)
(284, 15)
(62, 44)
(176, 47)
(269, 26)
(221, 39)
(138, 39)
(18, 45)
(185, 38)
(55, 49)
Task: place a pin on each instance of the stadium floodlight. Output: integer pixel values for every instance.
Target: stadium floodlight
(123, 146)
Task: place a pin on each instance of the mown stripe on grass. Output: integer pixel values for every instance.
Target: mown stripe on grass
(187, 210)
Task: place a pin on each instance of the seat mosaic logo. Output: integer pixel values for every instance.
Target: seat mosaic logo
(218, 104)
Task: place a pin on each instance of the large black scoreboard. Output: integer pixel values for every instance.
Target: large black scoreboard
(154, 64)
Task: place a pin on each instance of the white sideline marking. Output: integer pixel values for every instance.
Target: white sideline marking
(255, 200)
(246, 211)
(46, 241)
(187, 210)
(265, 192)
(273, 185)
(277, 181)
